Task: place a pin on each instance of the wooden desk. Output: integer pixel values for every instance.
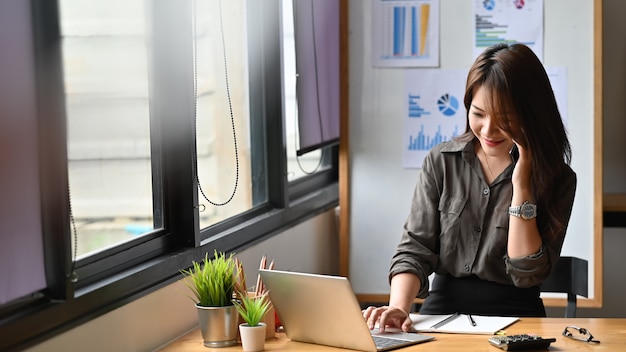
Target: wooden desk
(610, 332)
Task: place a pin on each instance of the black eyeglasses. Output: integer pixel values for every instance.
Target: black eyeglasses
(580, 334)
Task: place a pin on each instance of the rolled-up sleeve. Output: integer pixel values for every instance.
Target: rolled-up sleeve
(530, 270)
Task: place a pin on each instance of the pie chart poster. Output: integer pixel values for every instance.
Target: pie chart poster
(433, 111)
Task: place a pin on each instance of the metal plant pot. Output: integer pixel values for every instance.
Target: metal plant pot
(219, 325)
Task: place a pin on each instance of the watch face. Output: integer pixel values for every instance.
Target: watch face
(528, 211)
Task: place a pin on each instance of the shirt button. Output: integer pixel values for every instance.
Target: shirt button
(477, 229)
(485, 191)
(466, 267)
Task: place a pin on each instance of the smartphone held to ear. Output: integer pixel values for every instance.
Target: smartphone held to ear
(514, 153)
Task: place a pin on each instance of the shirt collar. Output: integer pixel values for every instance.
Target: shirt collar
(466, 148)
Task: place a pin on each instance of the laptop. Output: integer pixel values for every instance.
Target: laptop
(323, 310)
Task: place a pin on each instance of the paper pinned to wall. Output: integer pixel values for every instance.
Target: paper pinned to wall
(405, 33)
(558, 81)
(434, 111)
(499, 21)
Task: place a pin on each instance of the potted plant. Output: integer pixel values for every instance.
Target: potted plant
(212, 283)
(252, 309)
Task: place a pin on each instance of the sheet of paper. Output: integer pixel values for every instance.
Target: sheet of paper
(558, 80)
(499, 21)
(405, 33)
(434, 111)
(461, 325)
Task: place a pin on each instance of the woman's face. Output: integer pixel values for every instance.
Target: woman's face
(493, 140)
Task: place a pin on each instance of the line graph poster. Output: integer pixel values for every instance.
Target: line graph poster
(405, 33)
(434, 111)
(499, 21)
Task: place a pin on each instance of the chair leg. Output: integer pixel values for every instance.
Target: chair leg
(570, 309)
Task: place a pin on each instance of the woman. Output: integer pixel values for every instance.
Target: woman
(491, 228)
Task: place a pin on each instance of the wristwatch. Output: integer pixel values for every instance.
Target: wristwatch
(525, 211)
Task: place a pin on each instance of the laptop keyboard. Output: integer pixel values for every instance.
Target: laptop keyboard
(383, 342)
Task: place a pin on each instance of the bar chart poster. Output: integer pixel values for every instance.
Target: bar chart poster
(434, 111)
(405, 33)
(508, 21)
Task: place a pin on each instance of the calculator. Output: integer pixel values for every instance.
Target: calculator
(521, 342)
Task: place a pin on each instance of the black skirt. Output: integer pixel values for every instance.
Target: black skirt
(471, 295)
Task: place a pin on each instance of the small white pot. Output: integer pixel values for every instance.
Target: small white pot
(252, 337)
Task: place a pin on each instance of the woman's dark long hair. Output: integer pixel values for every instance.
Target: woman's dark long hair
(521, 102)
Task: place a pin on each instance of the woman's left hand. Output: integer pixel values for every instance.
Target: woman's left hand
(387, 316)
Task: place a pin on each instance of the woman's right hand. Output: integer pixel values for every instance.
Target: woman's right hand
(387, 316)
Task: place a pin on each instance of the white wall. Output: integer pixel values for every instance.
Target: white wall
(167, 314)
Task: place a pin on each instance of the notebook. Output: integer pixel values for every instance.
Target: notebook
(323, 309)
(460, 323)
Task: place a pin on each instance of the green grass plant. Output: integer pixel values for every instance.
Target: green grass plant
(252, 309)
(212, 281)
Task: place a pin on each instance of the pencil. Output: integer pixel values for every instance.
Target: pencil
(259, 284)
(445, 321)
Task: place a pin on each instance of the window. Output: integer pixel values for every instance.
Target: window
(297, 166)
(106, 81)
(136, 108)
(222, 111)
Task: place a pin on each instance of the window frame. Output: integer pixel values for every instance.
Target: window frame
(131, 270)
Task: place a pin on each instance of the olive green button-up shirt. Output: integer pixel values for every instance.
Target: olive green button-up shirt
(458, 223)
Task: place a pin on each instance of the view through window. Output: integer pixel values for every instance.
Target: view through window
(222, 111)
(105, 65)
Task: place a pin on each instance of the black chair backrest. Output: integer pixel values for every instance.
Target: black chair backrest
(569, 276)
